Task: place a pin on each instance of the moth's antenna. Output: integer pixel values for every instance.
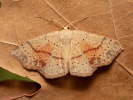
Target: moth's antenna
(77, 21)
(51, 20)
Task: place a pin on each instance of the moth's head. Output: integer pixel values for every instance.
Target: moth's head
(65, 28)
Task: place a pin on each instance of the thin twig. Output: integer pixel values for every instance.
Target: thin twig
(8, 43)
(127, 69)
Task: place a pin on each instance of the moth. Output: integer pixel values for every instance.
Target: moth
(67, 51)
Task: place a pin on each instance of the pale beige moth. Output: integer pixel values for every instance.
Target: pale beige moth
(67, 51)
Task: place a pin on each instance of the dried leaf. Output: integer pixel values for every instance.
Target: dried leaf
(105, 84)
(13, 86)
(112, 18)
(122, 19)
(14, 89)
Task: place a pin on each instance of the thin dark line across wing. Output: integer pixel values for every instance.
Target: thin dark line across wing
(38, 51)
(96, 47)
(76, 57)
(57, 57)
(90, 49)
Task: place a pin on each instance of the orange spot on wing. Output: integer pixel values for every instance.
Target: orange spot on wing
(89, 51)
(48, 47)
(86, 46)
(44, 53)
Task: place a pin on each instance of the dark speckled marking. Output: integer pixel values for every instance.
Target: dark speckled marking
(92, 60)
(24, 58)
(109, 54)
(41, 63)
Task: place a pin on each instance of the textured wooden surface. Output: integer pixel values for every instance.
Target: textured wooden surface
(112, 18)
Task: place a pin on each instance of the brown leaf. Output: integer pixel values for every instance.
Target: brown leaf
(105, 84)
(122, 19)
(14, 86)
(112, 18)
(14, 89)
